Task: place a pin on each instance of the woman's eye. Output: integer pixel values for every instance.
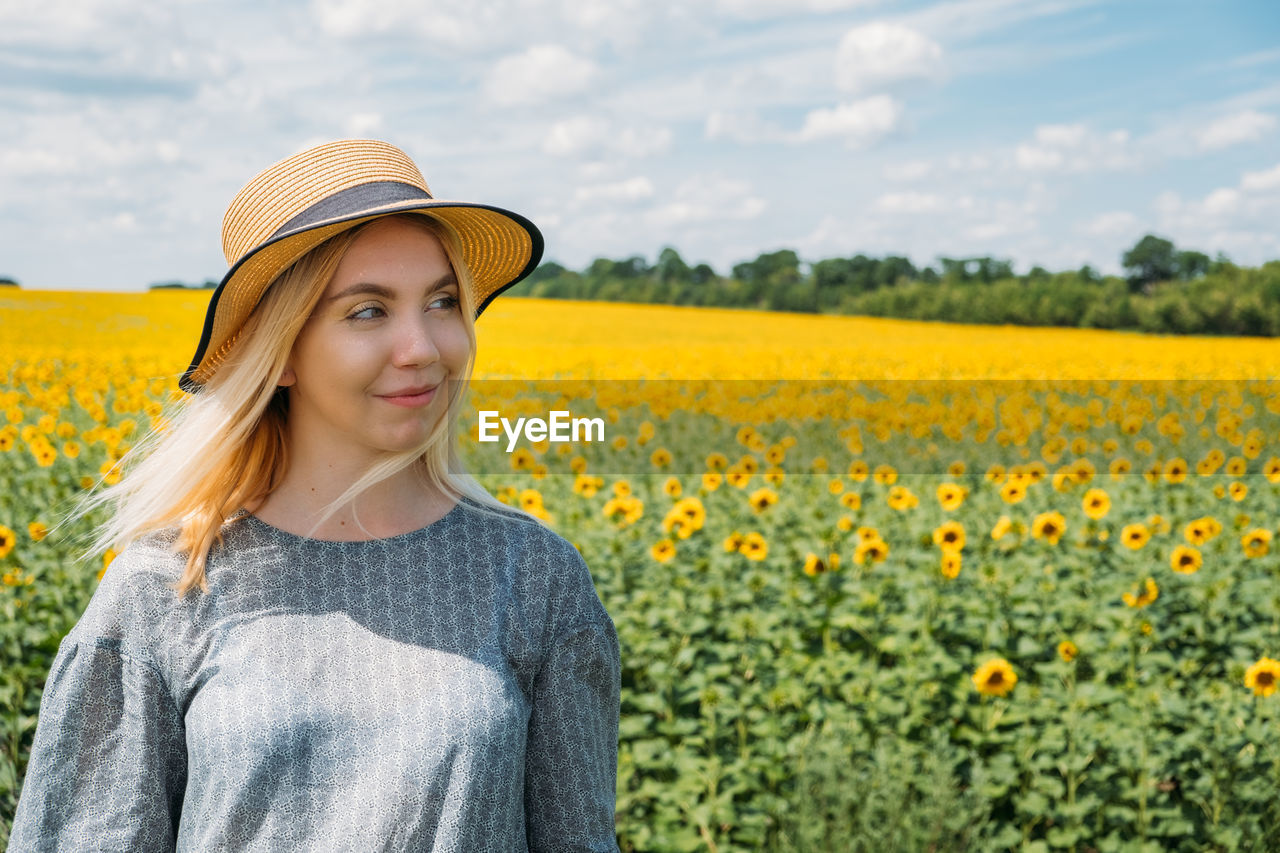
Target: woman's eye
(369, 312)
(448, 302)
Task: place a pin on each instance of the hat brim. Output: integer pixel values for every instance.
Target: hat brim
(499, 248)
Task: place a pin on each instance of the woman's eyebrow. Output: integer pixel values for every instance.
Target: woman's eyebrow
(367, 287)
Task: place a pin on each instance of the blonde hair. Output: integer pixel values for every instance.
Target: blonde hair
(225, 447)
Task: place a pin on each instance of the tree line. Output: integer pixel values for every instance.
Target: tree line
(1164, 289)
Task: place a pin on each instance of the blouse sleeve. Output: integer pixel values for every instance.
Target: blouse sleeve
(571, 760)
(108, 765)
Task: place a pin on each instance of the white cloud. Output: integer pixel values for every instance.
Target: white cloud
(582, 135)
(451, 22)
(1061, 135)
(1074, 148)
(744, 126)
(541, 73)
(708, 198)
(859, 123)
(573, 136)
(1111, 223)
(910, 202)
(631, 189)
(1268, 179)
(1225, 219)
(880, 53)
(990, 230)
(362, 125)
(1246, 126)
(968, 162)
(755, 9)
(1222, 202)
(913, 170)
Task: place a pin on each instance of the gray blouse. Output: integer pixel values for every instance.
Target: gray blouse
(451, 689)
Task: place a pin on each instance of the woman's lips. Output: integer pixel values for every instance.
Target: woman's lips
(410, 397)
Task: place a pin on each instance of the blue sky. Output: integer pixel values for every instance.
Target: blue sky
(1051, 132)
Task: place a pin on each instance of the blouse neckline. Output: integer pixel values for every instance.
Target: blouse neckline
(276, 532)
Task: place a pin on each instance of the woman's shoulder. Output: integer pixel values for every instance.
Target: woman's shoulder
(136, 591)
(546, 566)
(524, 535)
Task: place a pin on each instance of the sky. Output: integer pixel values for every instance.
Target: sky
(1049, 132)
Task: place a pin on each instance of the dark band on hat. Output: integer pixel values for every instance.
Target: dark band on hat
(361, 197)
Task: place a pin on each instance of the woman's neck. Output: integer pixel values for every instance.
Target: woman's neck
(399, 504)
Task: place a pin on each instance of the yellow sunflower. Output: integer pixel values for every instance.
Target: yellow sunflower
(1134, 536)
(1185, 560)
(664, 550)
(1147, 593)
(814, 565)
(522, 459)
(1013, 491)
(1263, 677)
(7, 540)
(1256, 542)
(1175, 470)
(754, 547)
(949, 536)
(951, 562)
(1097, 503)
(875, 550)
(1067, 650)
(901, 498)
(995, 678)
(851, 501)
(1049, 526)
(37, 530)
(1004, 525)
(1082, 471)
(885, 475)
(711, 481)
(951, 496)
(762, 499)
(1201, 530)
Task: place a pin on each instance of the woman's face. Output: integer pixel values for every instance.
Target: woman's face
(367, 372)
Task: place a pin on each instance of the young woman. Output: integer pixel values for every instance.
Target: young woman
(320, 634)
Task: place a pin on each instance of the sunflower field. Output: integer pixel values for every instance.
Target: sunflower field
(879, 585)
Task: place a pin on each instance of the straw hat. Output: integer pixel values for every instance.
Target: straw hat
(298, 203)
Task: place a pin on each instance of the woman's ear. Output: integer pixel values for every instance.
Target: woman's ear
(287, 377)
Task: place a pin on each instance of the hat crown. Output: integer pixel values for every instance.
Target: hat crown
(280, 192)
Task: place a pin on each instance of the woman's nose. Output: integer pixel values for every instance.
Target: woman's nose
(414, 344)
